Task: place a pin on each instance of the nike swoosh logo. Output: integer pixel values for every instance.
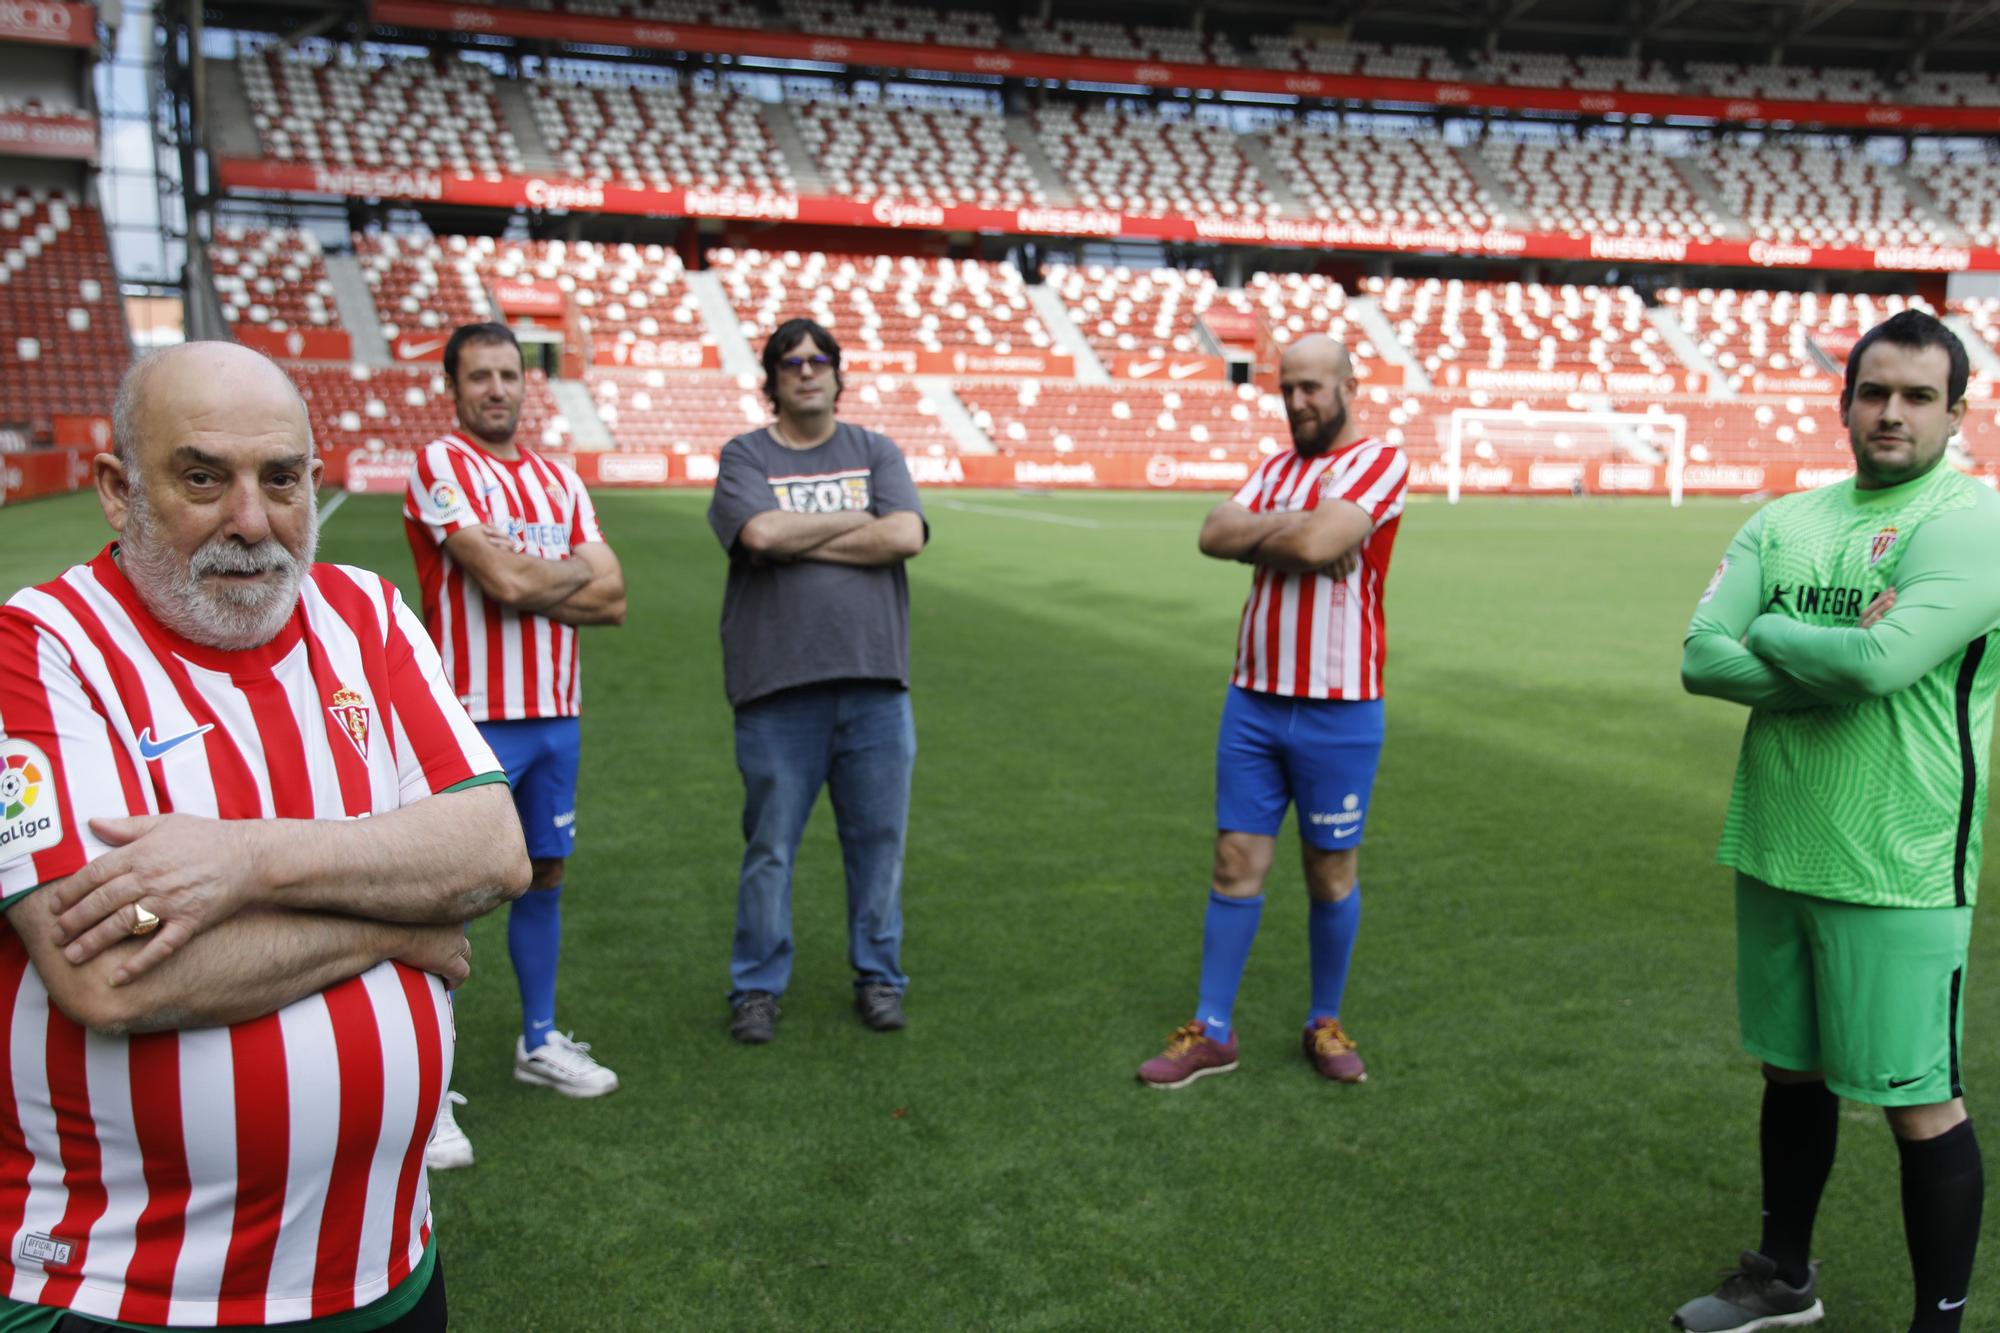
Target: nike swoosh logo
(150, 749)
(1905, 1082)
(1181, 372)
(1953, 1305)
(411, 351)
(1347, 832)
(1138, 370)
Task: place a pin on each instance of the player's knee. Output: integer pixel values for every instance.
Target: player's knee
(548, 873)
(1239, 873)
(1331, 876)
(1918, 1123)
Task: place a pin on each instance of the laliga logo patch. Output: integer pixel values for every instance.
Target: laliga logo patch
(1884, 540)
(350, 710)
(29, 819)
(444, 497)
(1708, 593)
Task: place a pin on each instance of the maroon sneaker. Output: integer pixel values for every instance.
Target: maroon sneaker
(1190, 1053)
(1332, 1052)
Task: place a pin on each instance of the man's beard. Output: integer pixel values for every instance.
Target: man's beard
(494, 435)
(184, 595)
(1319, 442)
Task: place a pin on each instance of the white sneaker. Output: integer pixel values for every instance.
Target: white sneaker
(564, 1065)
(448, 1148)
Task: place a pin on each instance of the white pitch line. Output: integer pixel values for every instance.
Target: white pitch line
(1032, 515)
(326, 510)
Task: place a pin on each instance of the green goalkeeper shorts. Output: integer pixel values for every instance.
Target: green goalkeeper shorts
(1871, 996)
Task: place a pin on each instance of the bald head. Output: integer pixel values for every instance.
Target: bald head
(202, 379)
(1316, 379)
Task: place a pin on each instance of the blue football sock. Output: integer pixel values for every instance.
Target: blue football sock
(1331, 927)
(1225, 947)
(534, 941)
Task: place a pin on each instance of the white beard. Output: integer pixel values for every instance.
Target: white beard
(224, 615)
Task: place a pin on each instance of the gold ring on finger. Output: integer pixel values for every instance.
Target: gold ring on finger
(143, 921)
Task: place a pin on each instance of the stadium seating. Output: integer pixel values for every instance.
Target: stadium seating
(61, 325)
(1745, 334)
(893, 22)
(1135, 162)
(1592, 188)
(714, 13)
(1794, 429)
(421, 286)
(657, 136)
(1326, 55)
(1813, 196)
(272, 279)
(1967, 190)
(931, 155)
(1790, 82)
(1385, 181)
(1957, 88)
(1607, 73)
(1117, 41)
(357, 110)
(1296, 304)
(1983, 314)
(405, 407)
(619, 293)
(882, 302)
(1148, 311)
(1522, 326)
(699, 413)
(1221, 420)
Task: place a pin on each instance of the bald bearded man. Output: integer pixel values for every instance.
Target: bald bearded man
(1302, 723)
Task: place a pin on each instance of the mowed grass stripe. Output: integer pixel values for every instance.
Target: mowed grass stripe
(1559, 1130)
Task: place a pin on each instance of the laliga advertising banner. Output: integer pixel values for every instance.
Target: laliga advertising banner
(1306, 233)
(657, 354)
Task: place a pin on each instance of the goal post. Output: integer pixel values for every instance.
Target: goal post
(1522, 451)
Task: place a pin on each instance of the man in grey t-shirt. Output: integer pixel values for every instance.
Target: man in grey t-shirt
(817, 517)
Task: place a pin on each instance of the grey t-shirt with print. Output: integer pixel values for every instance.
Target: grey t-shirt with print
(806, 621)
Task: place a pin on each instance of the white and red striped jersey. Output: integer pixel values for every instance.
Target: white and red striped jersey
(504, 664)
(1308, 636)
(272, 1170)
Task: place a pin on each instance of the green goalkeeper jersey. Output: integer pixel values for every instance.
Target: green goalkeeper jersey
(1862, 776)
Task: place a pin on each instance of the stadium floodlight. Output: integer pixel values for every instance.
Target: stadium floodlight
(1530, 451)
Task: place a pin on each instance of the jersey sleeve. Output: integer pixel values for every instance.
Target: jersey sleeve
(1246, 494)
(890, 486)
(1946, 596)
(1375, 482)
(437, 497)
(437, 746)
(1714, 660)
(742, 491)
(59, 762)
(583, 519)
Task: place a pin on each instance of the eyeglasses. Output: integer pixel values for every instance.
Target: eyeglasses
(797, 364)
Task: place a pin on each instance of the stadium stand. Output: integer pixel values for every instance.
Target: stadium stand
(1078, 37)
(1137, 162)
(716, 13)
(360, 110)
(272, 279)
(1295, 304)
(699, 413)
(657, 136)
(1592, 187)
(893, 22)
(1380, 181)
(1967, 190)
(882, 302)
(934, 155)
(1790, 82)
(1753, 338)
(61, 322)
(1327, 55)
(405, 407)
(1224, 421)
(1151, 312)
(1606, 73)
(619, 293)
(1955, 88)
(1811, 196)
(1522, 326)
(420, 285)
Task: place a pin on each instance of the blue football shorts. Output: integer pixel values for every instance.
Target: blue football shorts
(540, 756)
(1275, 751)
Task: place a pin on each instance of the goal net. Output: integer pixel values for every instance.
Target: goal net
(1519, 451)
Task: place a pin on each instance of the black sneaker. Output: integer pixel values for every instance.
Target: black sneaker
(880, 1006)
(755, 1018)
(1754, 1297)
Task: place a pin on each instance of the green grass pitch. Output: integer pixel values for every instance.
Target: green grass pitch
(1559, 1131)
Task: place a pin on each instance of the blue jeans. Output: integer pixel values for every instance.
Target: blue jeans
(859, 740)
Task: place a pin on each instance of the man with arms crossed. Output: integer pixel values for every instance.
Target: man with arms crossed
(511, 561)
(1302, 722)
(242, 821)
(1856, 622)
(818, 518)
